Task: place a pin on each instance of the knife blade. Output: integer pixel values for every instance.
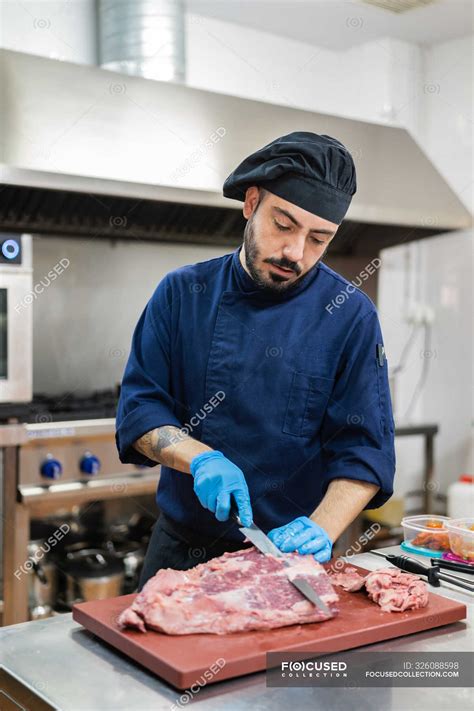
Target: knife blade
(266, 546)
(260, 540)
(305, 589)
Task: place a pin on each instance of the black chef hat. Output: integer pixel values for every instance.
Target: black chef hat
(315, 172)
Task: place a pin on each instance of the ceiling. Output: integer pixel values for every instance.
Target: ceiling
(341, 24)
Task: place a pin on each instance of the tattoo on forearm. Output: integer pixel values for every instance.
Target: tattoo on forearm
(165, 436)
(154, 442)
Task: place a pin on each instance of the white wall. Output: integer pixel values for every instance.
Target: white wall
(238, 60)
(434, 273)
(447, 122)
(57, 29)
(437, 272)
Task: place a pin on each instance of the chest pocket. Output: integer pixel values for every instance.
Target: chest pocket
(307, 401)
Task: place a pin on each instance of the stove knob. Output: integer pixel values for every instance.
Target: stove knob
(89, 464)
(51, 468)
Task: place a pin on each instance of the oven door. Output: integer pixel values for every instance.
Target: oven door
(16, 335)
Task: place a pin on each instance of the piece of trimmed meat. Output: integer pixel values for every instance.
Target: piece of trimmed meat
(242, 590)
(396, 591)
(391, 588)
(349, 579)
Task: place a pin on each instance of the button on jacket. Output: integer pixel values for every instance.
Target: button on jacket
(290, 386)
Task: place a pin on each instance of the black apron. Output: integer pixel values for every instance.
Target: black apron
(175, 546)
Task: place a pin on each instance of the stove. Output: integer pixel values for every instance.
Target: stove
(70, 448)
(67, 459)
(66, 406)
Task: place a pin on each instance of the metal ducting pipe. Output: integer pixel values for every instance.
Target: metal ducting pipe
(143, 37)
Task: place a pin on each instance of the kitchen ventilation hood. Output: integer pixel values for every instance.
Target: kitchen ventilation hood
(80, 136)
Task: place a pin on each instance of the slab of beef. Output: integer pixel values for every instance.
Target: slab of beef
(392, 589)
(243, 590)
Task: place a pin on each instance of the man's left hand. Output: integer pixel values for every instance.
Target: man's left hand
(305, 536)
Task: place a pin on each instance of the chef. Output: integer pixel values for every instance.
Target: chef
(259, 379)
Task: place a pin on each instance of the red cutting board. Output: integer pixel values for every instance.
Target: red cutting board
(181, 660)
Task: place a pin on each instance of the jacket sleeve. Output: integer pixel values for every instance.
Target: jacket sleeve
(357, 434)
(145, 400)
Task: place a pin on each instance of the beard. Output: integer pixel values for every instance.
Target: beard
(273, 283)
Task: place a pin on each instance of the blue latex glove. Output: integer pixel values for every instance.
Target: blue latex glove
(216, 479)
(304, 536)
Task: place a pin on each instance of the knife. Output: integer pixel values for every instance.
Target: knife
(432, 573)
(453, 565)
(266, 546)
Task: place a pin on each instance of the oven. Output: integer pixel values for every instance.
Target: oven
(16, 319)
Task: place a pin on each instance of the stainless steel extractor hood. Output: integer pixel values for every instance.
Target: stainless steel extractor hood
(87, 131)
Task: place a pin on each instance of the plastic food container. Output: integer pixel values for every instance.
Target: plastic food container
(428, 533)
(461, 537)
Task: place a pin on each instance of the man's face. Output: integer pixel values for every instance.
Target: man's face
(282, 242)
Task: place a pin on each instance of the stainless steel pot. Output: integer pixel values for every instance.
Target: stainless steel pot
(92, 574)
(42, 580)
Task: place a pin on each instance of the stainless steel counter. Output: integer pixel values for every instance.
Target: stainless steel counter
(73, 671)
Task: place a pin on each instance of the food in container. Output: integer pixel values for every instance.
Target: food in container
(461, 537)
(428, 532)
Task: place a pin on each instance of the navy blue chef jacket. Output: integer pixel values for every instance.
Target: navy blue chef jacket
(289, 390)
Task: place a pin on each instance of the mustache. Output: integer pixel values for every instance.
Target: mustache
(285, 264)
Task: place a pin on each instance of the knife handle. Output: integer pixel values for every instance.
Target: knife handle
(411, 565)
(234, 512)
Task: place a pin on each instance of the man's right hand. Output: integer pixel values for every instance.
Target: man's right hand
(216, 479)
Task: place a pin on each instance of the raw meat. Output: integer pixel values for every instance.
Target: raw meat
(349, 579)
(396, 591)
(243, 590)
(392, 589)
